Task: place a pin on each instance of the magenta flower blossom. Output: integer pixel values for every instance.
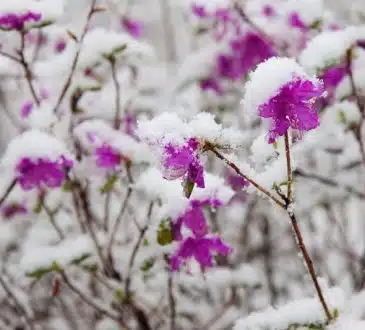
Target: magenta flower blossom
(296, 22)
(26, 110)
(183, 161)
(11, 21)
(60, 45)
(11, 210)
(247, 52)
(211, 84)
(129, 123)
(133, 27)
(42, 172)
(200, 248)
(293, 106)
(108, 157)
(199, 10)
(333, 76)
(235, 181)
(268, 11)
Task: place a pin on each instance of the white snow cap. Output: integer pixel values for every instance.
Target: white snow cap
(34, 144)
(328, 48)
(304, 311)
(268, 78)
(95, 132)
(49, 10)
(309, 11)
(100, 42)
(170, 128)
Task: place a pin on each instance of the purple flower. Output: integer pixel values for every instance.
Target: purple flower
(133, 27)
(42, 172)
(235, 181)
(11, 210)
(107, 157)
(60, 45)
(11, 21)
(211, 84)
(296, 22)
(27, 108)
(200, 248)
(183, 161)
(333, 76)
(268, 10)
(247, 52)
(129, 123)
(199, 10)
(293, 106)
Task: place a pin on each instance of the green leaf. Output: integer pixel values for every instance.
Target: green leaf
(39, 273)
(316, 24)
(38, 207)
(109, 184)
(80, 259)
(145, 242)
(119, 295)
(188, 188)
(342, 117)
(67, 186)
(148, 264)
(164, 233)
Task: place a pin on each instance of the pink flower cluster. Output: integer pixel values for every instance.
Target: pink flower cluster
(11, 21)
(199, 245)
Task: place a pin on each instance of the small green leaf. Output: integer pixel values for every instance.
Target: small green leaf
(316, 24)
(188, 188)
(67, 186)
(164, 233)
(39, 273)
(342, 117)
(109, 184)
(119, 295)
(148, 264)
(80, 259)
(56, 267)
(38, 207)
(145, 242)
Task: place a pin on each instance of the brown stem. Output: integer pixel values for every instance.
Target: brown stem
(309, 264)
(7, 192)
(172, 301)
(117, 119)
(27, 70)
(52, 219)
(254, 183)
(288, 166)
(68, 81)
(90, 301)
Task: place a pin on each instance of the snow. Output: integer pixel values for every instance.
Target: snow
(94, 133)
(304, 311)
(64, 253)
(266, 80)
(48, 10)
(33, 144)
(170, 128)
(328, 48)
(100, 42)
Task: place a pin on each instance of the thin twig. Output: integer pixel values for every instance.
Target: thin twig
(7, 192)
(68, 81)
(254, 183)
(172, 301)
(118, 222)
(52, 219)
(309, 264)
(90, 301)
(117, 119)
(27, 70)
(19, 306)
(329, 182)
(142, 232)
(288, 166)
